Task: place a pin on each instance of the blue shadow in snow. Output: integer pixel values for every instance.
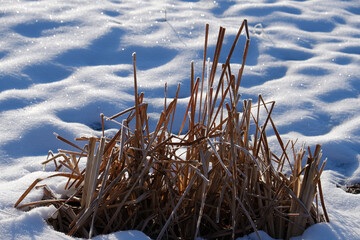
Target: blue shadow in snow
(106, 50)
(123, 73)
(111, 13)
(316, 25)
(17, 103)
(10, 104)
(314, 71)
(30, 225)
(337, 95)
(339, 19)
(37, 141)
(268, 10)
(47, 72)
(89, 114)
(354, 10)
(314, 125)
(342, 156)
(351, 50)
(14, 82)
(250, 79)
(35, 29)
(221, 7)
(354, 82)
(342, 60)
(289, 54)
(2, 54)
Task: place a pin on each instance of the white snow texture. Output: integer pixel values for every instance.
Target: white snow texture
(62, 63)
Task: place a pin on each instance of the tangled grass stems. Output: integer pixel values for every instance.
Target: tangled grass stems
(211, 181)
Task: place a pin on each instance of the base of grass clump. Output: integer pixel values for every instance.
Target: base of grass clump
(353, 188)
(211, 181)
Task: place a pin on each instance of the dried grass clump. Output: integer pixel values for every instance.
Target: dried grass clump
(211, 182)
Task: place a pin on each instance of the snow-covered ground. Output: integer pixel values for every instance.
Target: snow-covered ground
(62, 63)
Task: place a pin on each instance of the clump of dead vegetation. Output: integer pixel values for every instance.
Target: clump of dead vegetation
(214, 181)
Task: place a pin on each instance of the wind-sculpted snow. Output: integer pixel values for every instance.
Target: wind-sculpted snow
(62, 63)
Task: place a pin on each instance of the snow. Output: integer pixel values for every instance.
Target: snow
(62, 63)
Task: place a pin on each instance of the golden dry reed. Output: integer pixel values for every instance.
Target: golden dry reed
(218, 180)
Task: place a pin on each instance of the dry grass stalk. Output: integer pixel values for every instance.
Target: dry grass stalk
(211, 182)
